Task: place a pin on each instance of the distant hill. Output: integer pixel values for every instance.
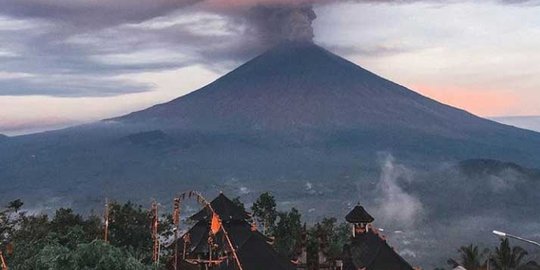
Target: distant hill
(477, 167)
(482, 186)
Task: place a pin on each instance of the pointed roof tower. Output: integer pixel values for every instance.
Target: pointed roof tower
(368, 249)
(359, 215)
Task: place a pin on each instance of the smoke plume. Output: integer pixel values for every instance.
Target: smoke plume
(275, 24)
(395, 205)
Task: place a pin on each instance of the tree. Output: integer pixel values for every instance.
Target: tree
(287, 232)
(31, 236)
(471, 258)
(70, 240)
(94, 255)
(333, 236)
(9, 220)
(508, 258)
(532, 265)
(65, 220)
(15, 205)
(236, 201)
(326, 238)
(100, 255)
(264, 210)
(129, 228)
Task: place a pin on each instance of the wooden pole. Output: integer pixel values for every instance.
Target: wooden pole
(155, 236)
(176, 221)
(202, 200)
(232, 248)
(106, 217)
(187, 239)
(3, 261)
(235, 256)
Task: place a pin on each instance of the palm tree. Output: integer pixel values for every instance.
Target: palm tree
(470, 258)
(508, 258)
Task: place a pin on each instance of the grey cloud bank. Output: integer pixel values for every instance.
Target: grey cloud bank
(100, 39)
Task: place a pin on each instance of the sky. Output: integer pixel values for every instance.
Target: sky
(66, 62)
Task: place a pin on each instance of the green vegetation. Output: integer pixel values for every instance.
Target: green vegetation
(71, 241)
(503, 257)
(67, 240)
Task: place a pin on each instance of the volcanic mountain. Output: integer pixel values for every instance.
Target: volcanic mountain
(302, 86)
(307, 125)
(295, 112)
(305, 95)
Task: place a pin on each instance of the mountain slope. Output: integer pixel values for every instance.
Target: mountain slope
(310, 127)
(294, 112)
(304, 86)
(309, 96)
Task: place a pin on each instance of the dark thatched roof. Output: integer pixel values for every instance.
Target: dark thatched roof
(369, 251)
(359, 215)
(256, 254)
(253, 248)
(224, 207)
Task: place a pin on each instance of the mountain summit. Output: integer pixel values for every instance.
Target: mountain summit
(301, 85)
(309, 95)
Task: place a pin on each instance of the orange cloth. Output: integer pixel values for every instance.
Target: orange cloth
(215, 226)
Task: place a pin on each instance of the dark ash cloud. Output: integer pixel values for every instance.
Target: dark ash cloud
(58, 40)
(275, 24)
(94, 14)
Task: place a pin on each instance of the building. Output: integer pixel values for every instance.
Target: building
(368, 249)
(208, 244)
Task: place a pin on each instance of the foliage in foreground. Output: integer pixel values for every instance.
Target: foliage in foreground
(70, 241)
(503, 257)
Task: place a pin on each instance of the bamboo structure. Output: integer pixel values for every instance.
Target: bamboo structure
(200, 199)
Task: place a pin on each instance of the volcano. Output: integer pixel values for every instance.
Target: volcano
(302, 86)
(304, 95)
(307, 125)
(295, 113)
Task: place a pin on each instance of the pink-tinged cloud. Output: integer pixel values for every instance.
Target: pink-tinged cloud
(23, 126)
(476, 101)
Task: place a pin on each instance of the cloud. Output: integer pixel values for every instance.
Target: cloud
(16, 127)
(244, 190)
(68, 86)
(100, 39)
(87, 15)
